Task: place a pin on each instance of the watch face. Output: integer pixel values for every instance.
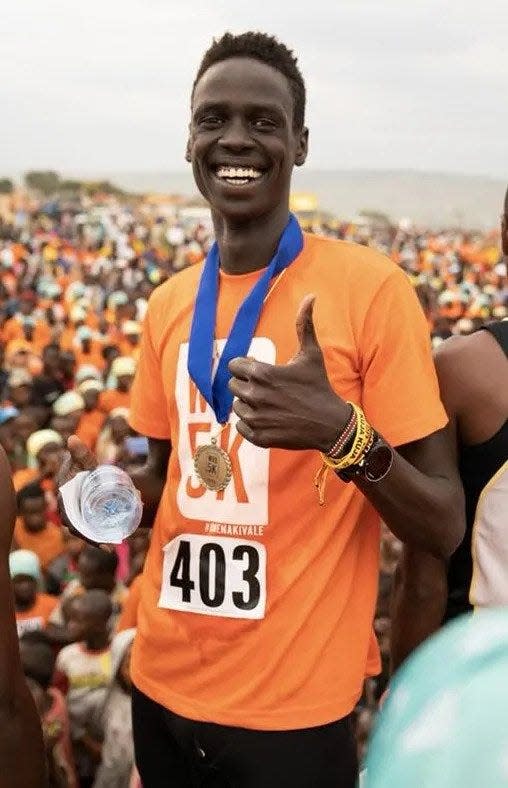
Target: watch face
(378, 462)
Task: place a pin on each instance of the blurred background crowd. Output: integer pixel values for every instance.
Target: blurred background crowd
(75, 277)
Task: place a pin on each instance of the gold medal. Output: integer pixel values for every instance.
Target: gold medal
(213, 466)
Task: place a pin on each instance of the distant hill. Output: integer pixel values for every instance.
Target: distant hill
(432, 199)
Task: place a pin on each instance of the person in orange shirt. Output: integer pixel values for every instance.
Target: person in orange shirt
(92, 419)
(44, 450)
(32, 530)
(75, 321)
(20, 387)
(123, 369)
(15, 327)
(20, 354)
(33, 608)
(131, 330)
(87, 350)
(67, 412)
(258, 593)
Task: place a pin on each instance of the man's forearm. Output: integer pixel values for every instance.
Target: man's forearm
(418, 602)
(150, 486)
(421, 499)
(427, 511)
(151, 478)
(22, 765)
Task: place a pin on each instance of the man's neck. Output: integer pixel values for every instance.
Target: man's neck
(249, 246)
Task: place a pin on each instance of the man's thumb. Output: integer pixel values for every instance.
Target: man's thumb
(305, 324)
(81, 455)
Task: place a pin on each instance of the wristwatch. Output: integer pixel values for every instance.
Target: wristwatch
(375, 464)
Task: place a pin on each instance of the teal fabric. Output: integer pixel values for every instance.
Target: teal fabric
(445, 722)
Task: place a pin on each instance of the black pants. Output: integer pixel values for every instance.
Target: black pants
(174, 752)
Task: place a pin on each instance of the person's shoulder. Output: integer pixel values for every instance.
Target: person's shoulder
(458, 351)
(335, 258)
(466, 366)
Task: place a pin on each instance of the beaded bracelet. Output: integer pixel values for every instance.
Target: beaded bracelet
(362, 442)
(344, 437)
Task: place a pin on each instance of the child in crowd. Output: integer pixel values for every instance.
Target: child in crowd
(92, 418)
(138, 546)
(110, 446)
(118, 748)
(33, 608)
(32, 530)
(96, 570)
(84, 670)
(64, 569)
(38, 661)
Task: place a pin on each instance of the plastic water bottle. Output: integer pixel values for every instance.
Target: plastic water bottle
(110, 504)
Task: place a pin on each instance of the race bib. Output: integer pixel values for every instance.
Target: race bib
(217, 576)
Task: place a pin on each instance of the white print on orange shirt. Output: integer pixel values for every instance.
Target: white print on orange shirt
(245, 499)
(229, 529)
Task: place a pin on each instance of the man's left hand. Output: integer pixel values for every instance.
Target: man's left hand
(291, 406)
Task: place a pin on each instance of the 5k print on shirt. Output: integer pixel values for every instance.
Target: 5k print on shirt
(245, 499)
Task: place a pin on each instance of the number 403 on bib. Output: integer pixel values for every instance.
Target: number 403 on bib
(214, 577)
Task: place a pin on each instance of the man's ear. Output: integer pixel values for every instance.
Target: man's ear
(188, 146)
(302, 147)
(504, 234)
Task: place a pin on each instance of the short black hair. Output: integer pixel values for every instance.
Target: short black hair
(100, 560)
(267, 49)
(37, 658)
(29, 492)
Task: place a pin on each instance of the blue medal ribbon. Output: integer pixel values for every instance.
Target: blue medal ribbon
(200, 361)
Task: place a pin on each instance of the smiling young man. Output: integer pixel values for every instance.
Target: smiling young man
(255, 620)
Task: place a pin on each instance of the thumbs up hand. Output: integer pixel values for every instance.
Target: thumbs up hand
(290, 406)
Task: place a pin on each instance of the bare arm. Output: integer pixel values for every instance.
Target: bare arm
(422, 494)
(420, 587)
(22, 754)
(418, 602)
(151, 478)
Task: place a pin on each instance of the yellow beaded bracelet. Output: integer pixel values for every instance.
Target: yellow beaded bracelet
(362, 442)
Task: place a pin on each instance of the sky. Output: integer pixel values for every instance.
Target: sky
(103, 85)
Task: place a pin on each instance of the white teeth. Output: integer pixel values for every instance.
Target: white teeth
(237, 174)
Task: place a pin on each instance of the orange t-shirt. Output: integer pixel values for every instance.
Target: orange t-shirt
(89, 427)
(13, 329)
(24, 476)
(129, 615)
(257, 603)
(112, 398)
(94, 357)
(47, 544)
(38, 615)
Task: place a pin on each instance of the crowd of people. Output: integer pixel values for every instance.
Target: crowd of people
(74, 288)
